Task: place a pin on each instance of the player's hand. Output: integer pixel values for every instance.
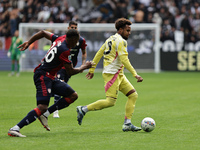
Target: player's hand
(89, 64)
(139, 78)
(8, 54)
(89, 75)
(23, 46)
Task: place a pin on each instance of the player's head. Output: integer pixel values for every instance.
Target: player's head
(73, 25)
(72, 37)
(16, 34)
(123, 27)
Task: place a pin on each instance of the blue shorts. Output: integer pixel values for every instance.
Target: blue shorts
(47, 85)
(62, 75)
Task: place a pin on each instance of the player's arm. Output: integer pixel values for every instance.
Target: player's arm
(34, 38)
(123, 56)
(96, 60)
(84, 52)
(125, 61)
(72, 71)
(11, 46)
(84, 56)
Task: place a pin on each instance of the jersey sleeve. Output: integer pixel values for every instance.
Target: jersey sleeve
(125, 61)
(122, 48)
(21, 41)
(123, 55)
(97, 57)
(53, 37)
(11, 45)
(83, 44)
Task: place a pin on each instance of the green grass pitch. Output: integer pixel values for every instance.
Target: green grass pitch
(172, 99)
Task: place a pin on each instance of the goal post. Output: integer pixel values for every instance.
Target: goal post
(143, 43)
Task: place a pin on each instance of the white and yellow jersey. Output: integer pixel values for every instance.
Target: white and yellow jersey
(115, 55)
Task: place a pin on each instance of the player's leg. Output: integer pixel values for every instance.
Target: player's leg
(67, 93)
(13, 58)
(28, 119)
(61, 75)
(42, 83)
(127, 89)
(18, 65)
(111, 89)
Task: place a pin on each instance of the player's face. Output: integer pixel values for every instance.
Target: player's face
(126, 32)
(16, 33)
(73, 26)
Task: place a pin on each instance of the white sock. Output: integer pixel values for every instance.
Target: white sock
(16, 127)
(85, 109)
(47, 113)
(126, 121)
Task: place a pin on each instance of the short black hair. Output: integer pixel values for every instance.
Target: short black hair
(121, 23)
(72, 33)
(73, 23)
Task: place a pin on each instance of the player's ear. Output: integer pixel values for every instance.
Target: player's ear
(120, 30)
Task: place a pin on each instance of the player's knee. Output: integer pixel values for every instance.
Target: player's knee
(71, 98)
(111, 101)
(43, 108)
(74, 96)
(133, 95)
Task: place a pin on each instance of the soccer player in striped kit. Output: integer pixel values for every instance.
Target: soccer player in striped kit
(115, 54)
(44, 77)
(62, 74)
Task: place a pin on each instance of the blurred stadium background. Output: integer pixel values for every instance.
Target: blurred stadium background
(178, 22)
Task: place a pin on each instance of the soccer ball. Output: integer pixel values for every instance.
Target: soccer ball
(148, 124)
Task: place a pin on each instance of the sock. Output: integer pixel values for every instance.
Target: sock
(18, 67)
(84, 109)
(127, 121)
(13, 68)
(46, 114)
(16, 128)
(31, 117)
(130, 105)
(56, 98)
(62, 103)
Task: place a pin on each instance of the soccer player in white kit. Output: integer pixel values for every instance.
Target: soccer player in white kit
(115, 54)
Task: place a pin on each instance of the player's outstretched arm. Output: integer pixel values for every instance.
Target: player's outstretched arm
(23, 46)
(84, 56)
(72, 71)
(124, 59)
(34, 38)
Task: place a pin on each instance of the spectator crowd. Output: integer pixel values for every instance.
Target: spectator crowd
(171, 15)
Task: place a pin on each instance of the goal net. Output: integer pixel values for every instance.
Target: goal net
(143, 43)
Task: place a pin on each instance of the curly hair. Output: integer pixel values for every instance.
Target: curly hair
(121, 23)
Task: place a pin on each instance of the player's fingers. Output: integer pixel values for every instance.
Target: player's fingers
(22, 49)
(87, 75)
(20, 46)
(139, 80)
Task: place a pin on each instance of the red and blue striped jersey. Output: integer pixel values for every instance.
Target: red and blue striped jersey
(56, 57)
